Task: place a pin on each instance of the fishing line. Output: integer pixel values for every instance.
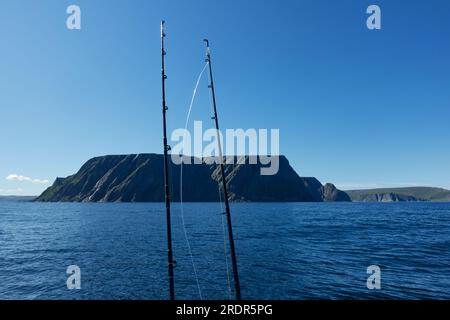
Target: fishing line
(181, 184)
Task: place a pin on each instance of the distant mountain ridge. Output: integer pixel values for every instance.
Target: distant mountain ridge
(17, 198)
(400, 194)
(139, 178)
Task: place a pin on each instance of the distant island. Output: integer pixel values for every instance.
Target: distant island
(17, 198)
(139, 178)
(400, 194)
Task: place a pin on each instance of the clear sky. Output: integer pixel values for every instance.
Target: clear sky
(355, 107)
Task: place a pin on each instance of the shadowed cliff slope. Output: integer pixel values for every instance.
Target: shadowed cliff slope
(139, 178)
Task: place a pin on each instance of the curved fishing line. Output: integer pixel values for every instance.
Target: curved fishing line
(222, 208)
(181, 185)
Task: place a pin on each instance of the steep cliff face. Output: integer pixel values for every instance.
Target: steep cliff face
(327, 192)
(331, 193)
(393, 197)
(139, 178)
(245, 183)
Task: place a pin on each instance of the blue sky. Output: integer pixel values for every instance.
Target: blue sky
(355, 107)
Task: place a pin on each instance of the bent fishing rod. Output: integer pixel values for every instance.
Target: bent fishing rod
(237, 287)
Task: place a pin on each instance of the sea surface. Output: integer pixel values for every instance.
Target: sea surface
(285, 251)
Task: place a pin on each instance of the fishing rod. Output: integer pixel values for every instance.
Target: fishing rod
(237, 287)
(170, 260)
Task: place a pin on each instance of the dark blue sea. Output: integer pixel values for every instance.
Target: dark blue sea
(285, 251)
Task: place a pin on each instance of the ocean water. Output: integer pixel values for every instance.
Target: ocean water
(285, 251)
